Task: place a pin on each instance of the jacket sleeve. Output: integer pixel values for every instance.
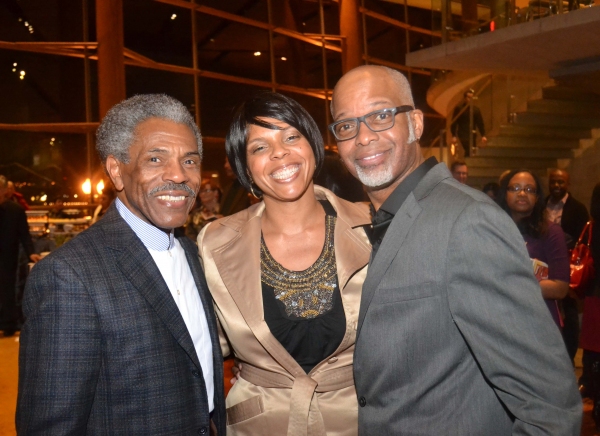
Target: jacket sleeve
(497, 305)
(60, 352)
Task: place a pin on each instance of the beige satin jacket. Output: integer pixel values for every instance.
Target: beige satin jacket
(274, 395)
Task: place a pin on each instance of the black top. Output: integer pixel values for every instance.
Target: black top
(384, 216)
(308, 340)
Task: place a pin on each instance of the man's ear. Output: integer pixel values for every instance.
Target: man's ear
(113, 168)
(417, 119)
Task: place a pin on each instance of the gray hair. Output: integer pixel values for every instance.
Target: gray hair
(399, 79)
(116, 132)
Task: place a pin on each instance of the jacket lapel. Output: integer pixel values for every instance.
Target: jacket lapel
(137, 266)
(396, 235)
(393, 240)
(238, 263)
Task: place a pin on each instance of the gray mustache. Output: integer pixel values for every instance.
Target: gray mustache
(173, 187)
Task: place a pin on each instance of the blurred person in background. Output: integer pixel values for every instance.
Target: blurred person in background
(571, 215)
(459, 171)
(491, 189)
(235, 197)
(590, 324)
(106, 199)
(14, 230)
(521, 196)
(468, 120)
(17, 197)
(205, 210)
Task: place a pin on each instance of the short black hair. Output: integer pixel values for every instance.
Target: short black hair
(536, 224)
(457, 163)
(268, 105)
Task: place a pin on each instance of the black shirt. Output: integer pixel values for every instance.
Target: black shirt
(384, 216)
(308, 340)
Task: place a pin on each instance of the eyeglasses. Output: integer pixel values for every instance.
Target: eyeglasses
(518, 188)
(377, 121)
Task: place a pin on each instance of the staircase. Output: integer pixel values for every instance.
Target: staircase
(550, 129)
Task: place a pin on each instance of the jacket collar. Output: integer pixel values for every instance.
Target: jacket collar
(138, 266)
(238, 261)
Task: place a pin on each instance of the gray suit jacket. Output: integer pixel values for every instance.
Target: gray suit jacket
(104, 349)
(454, 337)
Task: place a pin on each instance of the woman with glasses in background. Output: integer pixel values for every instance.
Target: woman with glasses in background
(286, 276)
(521, 196)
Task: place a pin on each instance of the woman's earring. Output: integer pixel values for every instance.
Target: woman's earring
(253, 194)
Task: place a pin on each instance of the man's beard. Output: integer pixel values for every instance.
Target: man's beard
(377, 179)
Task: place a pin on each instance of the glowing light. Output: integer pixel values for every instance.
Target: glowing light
(86, 187)
(283, 58)
(42, 198)
(75, 196)
(173, 16)
(492, 26)
(14, 64)
(257, 53)
(32, 198)
(14, 70)
(100, 187)
(26, 24)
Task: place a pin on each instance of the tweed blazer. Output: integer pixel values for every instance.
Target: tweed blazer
(453, 336)
(104, 349)
(275, 396)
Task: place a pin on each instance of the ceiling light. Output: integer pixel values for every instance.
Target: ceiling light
(14, 64)
(257, 53)
(173, 16)
(283, 58)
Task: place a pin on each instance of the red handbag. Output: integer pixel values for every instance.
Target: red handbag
(582, 264)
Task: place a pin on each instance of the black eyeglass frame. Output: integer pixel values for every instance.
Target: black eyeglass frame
(395, 111)
(515, 189)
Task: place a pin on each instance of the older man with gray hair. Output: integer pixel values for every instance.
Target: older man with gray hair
(120, 336)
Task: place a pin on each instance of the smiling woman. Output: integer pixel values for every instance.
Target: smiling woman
(286, 277)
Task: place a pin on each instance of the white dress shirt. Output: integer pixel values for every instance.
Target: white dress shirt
(169, 256)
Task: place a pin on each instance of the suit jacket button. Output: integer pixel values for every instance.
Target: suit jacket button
(333, 359)
(362, 401)
(203, 430)
(196, 373)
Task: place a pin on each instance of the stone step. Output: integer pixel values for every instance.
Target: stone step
(541, 119)
(532, 142)
(565, 107)
(510, 161)
(524, 153)
(565, 93)
(545, 131)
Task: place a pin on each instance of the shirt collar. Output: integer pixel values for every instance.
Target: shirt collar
(152, 237)
(560, 203)
(393, 203)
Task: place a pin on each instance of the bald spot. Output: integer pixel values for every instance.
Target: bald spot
(366, 73)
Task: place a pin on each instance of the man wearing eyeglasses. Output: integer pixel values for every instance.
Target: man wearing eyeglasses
(453, 337)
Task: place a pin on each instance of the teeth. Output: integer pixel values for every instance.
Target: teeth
(371, 157)
(286, 172)
(171, 197)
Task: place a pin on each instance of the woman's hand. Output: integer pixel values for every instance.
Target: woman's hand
(236, 369)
